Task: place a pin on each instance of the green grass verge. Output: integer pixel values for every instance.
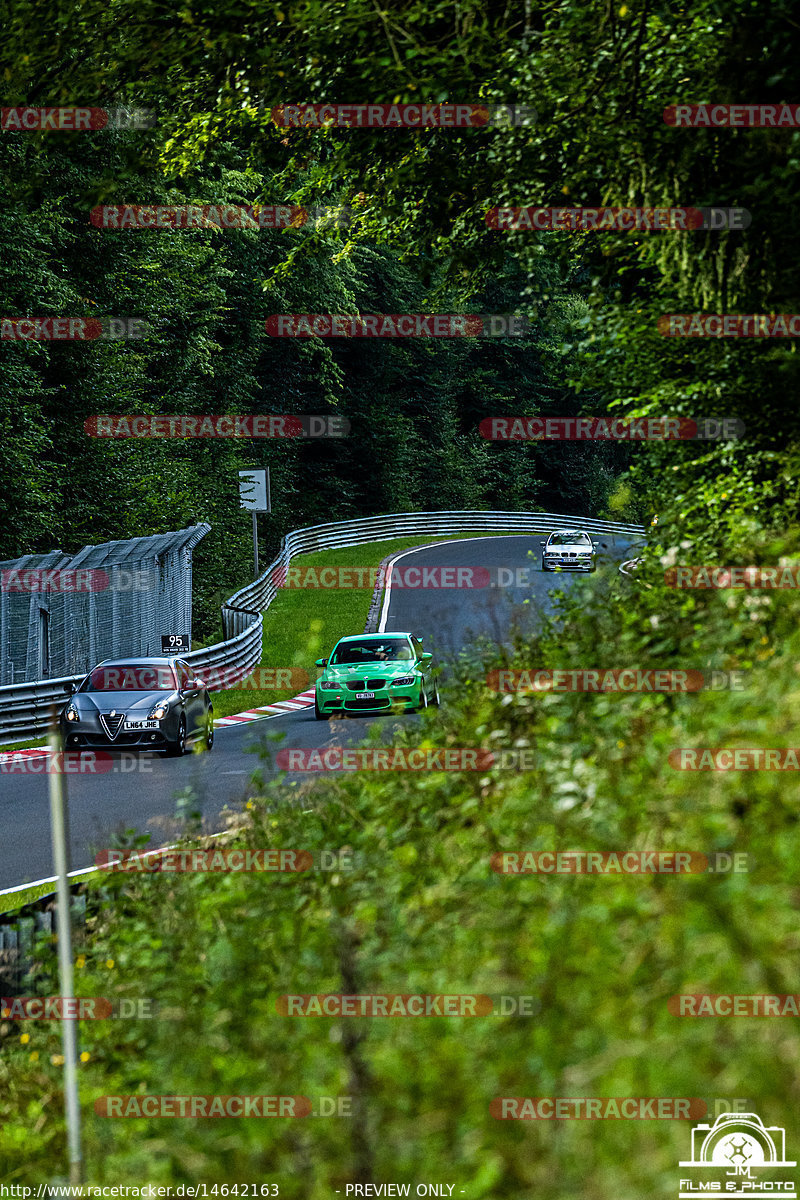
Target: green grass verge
(23, 745)
(15, 900)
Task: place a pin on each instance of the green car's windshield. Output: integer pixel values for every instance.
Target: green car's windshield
(389, 650)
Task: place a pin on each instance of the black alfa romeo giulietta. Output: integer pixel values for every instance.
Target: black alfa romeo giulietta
(144, 703)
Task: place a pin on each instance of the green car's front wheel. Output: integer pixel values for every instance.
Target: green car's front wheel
(318, 713)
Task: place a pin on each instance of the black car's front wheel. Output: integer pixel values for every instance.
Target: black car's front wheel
(177, 749)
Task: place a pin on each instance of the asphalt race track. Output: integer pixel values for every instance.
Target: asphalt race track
(145, 798)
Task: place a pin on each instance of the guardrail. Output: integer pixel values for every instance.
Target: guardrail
(338, 534)
(25, 708)
(628, 568)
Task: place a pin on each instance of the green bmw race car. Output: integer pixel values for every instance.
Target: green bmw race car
(375, 672)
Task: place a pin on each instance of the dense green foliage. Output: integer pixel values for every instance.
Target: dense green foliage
(416, 908)
(422, 911)
(413, 406)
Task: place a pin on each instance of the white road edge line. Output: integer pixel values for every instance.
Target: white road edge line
(23, 887)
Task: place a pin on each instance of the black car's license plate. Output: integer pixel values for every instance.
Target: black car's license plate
(141, 724)
(365, 695)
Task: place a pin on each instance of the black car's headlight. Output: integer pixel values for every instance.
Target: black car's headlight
(403, 681)
(158, 711)
(328, 685)
(71, 713)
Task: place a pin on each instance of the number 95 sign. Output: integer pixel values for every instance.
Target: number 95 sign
(175, 643)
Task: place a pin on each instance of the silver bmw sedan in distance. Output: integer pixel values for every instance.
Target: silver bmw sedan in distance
(568, 550)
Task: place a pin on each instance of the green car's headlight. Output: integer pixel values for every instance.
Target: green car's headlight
(328, 686)
(403, 681)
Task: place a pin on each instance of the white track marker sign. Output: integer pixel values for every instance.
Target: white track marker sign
(254, 494)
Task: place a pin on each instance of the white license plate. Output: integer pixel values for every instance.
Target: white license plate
(365, 695)
(141, 724)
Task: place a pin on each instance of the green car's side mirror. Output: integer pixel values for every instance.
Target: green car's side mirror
(424, 659)
(322, 662)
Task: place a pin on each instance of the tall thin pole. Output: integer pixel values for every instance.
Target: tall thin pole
(69, 1041)
(255, 545)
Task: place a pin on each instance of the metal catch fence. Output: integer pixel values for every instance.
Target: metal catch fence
(60, 614)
